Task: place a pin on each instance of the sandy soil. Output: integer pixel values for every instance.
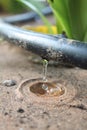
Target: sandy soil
(40, 113)
(67, 112)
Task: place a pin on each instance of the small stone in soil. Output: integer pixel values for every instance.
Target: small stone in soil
(7, 92)
(20, 110)
(5, 113)
(9, 83)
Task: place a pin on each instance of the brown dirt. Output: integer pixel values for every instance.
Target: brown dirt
(39, 113)
(68, 112)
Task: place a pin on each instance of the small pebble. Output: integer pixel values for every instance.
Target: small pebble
(5, 113)
(20, 110)
(9, 83)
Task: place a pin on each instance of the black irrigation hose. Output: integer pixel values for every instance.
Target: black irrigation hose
(49, 47)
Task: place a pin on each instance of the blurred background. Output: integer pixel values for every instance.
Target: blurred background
(11, 6)
(14, 6)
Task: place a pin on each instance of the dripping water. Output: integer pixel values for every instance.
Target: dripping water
(46, 87)
(43, 87)
(45, 65)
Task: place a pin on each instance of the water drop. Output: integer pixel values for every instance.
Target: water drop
(50, 89)
(45, 65)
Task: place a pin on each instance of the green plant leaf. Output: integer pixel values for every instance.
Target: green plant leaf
(71, 16)
(61, 13)
(37, 7)
(78, 13)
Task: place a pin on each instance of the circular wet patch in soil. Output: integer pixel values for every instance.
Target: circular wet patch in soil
(50, 92)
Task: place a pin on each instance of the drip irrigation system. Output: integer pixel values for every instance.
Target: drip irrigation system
(50, 47)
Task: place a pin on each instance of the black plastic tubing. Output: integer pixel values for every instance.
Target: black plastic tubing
(26, 17)
(49, 47)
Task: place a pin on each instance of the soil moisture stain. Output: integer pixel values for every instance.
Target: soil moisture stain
(50, 89)
(39, 89)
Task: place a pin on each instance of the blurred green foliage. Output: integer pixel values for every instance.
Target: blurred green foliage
(11, 6)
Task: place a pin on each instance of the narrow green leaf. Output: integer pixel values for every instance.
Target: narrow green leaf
(61, 13)
(71, 16)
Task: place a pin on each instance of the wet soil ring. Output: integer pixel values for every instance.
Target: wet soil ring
(28, 91)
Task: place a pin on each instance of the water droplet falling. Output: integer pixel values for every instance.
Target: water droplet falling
(45, 65)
